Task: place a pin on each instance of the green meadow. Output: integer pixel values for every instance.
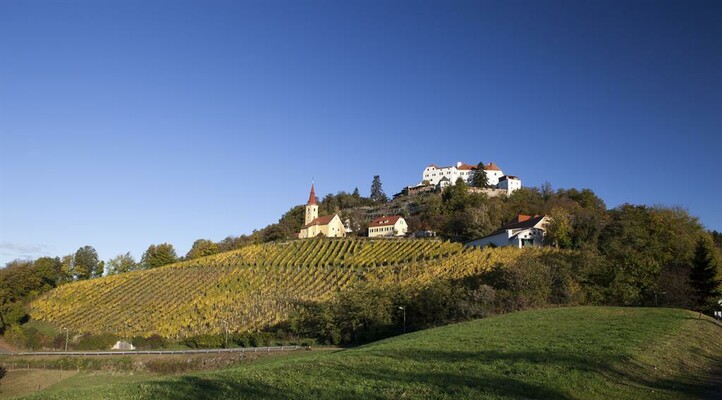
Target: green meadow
(562, 353)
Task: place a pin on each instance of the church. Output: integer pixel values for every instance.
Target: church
(328, 225)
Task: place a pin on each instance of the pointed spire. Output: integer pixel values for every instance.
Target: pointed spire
(312, 197)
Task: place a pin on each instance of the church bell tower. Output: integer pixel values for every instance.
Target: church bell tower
(311, 207)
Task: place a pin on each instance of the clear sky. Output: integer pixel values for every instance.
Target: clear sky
(130, 123)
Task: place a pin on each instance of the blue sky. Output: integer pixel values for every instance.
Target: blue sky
(130, 123)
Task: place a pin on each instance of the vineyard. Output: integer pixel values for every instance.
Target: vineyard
(253, 287)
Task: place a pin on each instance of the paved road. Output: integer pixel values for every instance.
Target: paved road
(159, 352)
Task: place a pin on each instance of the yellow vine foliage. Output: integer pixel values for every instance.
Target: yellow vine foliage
(255, 286)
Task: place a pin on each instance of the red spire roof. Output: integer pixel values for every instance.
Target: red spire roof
(312, 197)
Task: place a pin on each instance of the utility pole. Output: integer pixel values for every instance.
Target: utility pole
(225, 323)
(404, 310)
(66, 339)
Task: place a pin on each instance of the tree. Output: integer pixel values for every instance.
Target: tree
(377, 193)
(86, 264)
(122, 263)
(479, 179)
(158, 255)
(233, 243)
(66, 268)
(293, 219)
(717, 238)
(275, 232)
(559, 231)
(49, 271)
(640, 242)
(456, 197)
(20, 282)
(469, 224)
(704, 277)
(546, 191)
(202, 248)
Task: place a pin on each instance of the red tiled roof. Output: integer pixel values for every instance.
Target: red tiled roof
(463, 166)
(492, 167)
(385, 221)
(466, 167)
(325, 220)
(312, 197)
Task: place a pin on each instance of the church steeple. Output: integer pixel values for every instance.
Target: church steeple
(311, 207)
(312, 197)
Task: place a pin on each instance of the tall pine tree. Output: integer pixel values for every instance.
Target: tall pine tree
(479, 179)
(377, 193)
(704, 277)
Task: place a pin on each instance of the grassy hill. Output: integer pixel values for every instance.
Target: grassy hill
(566, 353)
(254, 286)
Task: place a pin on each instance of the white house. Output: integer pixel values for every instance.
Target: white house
(509, 183)
(394, 225)
(522, 232)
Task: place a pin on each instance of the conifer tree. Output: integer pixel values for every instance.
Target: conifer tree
(377, 193)
(704, 276)
(479, 179)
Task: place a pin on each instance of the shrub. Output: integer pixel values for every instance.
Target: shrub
(149, 343)
(241, 339)
(521, 285)
(15, 335)
(261, 339)
(96, 342)
(204, 341)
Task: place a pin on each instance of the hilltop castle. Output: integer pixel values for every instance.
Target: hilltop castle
(328, 225)
(447, 176)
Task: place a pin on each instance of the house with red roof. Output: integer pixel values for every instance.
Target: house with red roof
(327, 225)
(394, 225)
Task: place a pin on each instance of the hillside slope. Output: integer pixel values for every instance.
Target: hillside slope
(566, 353)
(254, 286)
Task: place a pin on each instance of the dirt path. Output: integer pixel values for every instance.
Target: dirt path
(6, 348)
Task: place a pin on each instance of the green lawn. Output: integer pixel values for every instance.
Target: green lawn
(566, 353)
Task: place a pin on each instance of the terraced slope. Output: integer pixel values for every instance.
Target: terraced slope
(251, 287)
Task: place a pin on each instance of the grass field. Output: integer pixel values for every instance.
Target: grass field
(22, 382)
(565, 353)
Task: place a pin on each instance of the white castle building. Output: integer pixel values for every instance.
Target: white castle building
(445, 176)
